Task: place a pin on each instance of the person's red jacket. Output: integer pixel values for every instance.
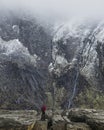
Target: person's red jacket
(43, 108)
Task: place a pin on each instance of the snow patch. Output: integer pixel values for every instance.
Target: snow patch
(14, 51)
(74, 28)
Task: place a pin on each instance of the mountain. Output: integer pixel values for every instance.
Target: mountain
(61, 65)
(79, 55)
(24, 57)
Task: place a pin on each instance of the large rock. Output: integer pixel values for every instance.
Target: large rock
(17, 120)
(10, 124)
(94, 118)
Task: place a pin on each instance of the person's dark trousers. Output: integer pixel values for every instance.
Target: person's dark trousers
(43, 116)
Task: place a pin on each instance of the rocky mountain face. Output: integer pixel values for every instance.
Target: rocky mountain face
(78, 55)
(24, 58)
(64, 67)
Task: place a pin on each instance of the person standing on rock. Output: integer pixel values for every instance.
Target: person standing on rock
(43, 109)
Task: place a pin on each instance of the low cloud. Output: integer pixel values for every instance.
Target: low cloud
(57, 8)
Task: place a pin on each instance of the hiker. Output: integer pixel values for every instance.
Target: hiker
(43, 116)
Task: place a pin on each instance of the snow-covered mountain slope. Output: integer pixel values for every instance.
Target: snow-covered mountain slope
(81, 39)
(72, 28)
(14, 51)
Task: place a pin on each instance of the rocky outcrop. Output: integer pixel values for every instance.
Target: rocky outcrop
(94, 118)
(77, 119)
(20, 120)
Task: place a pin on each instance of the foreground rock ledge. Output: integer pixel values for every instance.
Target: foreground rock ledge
(17, 120)
(94, 118)
(77, 119)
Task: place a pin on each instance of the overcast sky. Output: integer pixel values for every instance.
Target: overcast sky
(61, 8)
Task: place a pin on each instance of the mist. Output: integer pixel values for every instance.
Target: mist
(56, 9)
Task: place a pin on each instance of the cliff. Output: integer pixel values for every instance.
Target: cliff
(63, 67)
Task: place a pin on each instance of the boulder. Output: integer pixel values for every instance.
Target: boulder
(78, 115)
(11, 124)
(17, 120)
(94, 118)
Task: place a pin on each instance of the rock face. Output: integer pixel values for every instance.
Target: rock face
(24, 57)
(64, 68)
(78, 63)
